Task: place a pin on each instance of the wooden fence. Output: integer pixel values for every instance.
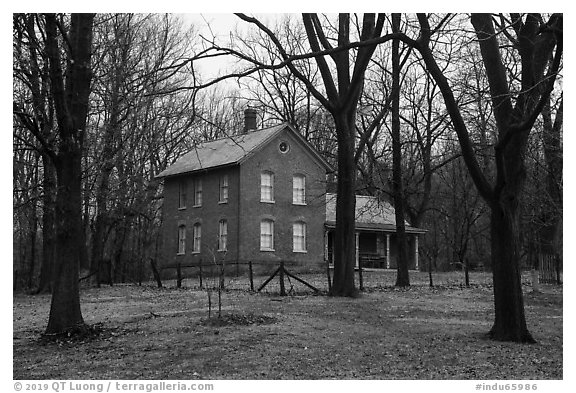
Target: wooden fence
(221, 270)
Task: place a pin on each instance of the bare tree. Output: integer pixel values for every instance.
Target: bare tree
(402, 277)
(536, 42)
(343, 81)
(551, 214)
(70, 91)
(34, 111)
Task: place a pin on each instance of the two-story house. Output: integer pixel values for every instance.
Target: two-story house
(257, 196)
(261, 196)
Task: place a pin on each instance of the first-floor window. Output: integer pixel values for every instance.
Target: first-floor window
(197, 234)
(299, 236)
(267, 235)
(181, 239)
(222, 235)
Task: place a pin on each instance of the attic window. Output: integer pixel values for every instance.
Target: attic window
(284, 147)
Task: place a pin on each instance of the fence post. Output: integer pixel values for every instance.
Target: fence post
(200, 272)
(251, 275)
(328, 275)
(360, 275)
(221, 274)
(282, 288)
(466, 276)
(178, 276)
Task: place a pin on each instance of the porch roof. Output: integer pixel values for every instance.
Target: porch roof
(371, 215)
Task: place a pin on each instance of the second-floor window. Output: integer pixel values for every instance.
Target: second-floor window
(222, 235)
(223, 189)
(299, 190)
(267, 187)
(197, 235)
(198, 192)
(182, 185)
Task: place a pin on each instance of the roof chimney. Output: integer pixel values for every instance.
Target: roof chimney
(249, 119)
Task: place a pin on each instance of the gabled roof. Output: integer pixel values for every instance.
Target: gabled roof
(233, 150)
(371, 214)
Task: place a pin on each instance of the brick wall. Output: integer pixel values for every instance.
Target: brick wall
(282, 212)
(208, 215)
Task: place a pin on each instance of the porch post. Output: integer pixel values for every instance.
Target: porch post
(387, 251)
(416, 251)
(357, 248)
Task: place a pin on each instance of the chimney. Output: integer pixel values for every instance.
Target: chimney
(249, 119)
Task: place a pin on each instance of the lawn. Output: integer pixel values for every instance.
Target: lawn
(387, 333)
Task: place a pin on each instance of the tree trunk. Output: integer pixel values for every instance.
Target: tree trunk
(345, 232)
(65, 313)
(33, 232)
(510, 321)
(71, 107)
(33, 227)
(98, 237)
(402, 277)
(48, 227)
(551, 214)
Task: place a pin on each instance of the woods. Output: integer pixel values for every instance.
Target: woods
(457, 120)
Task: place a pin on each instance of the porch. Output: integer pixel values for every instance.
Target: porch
(375, 249)
(376, 239)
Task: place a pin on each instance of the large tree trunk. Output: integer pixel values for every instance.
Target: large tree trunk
(65, 313)
(345, 233)
(510, 321)
(71, 107)
(402, 277)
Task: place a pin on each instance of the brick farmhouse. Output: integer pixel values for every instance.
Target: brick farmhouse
(261, 196)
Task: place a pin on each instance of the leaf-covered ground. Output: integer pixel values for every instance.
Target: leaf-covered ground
(387, 333)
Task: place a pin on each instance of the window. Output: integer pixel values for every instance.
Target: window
(197, 234)
(299, 236)
(267, 187)
(267, 235)
(198, 192)
(181, 240)
(284, 147)
(182, 194)
(299, 190)
(222, 235)
(223, 189)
